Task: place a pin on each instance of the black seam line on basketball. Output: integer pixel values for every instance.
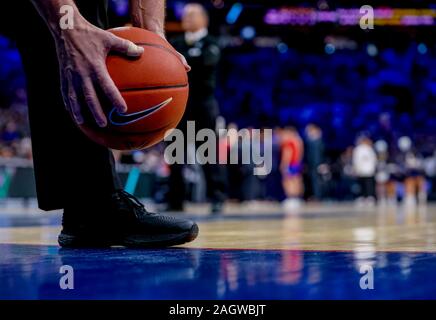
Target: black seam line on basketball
(157, 46)
(155, 88)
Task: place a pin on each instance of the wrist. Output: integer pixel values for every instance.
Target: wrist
(155, 29)
(153, 25)
(63, 35)
(66, 24)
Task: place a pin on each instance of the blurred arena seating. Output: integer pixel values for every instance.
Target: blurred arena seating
(340, 77)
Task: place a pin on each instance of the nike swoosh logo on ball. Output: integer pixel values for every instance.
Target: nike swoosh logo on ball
(119, 119)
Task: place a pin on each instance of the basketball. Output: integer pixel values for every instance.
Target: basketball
(155, 88)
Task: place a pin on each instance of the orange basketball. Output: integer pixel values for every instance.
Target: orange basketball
(155, 88)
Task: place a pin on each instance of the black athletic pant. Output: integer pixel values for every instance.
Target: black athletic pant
(70, 170)
(204, 112)
(367, 186)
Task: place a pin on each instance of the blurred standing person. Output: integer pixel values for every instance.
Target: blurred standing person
(292, 150)
(347, 180)
(234, 176)
(383, 178)
(273, 186)
(203, 54)
(364, 167)
(315, 158)
(430, 171)
(411, 166)
(249, 183)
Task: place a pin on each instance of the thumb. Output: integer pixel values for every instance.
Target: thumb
(126, 47)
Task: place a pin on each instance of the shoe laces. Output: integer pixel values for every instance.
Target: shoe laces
(132, 203)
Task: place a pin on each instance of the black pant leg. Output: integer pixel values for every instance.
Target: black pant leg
(176, 183)
(177, 190)
(70, 169)
(371, 187)
(206, 113)
(367, 184)
(362, 185)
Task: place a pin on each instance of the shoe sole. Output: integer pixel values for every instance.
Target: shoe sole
(134, 241)
(161, 241)
(71, 241)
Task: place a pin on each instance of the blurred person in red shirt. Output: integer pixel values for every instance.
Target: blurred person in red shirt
(292, 150)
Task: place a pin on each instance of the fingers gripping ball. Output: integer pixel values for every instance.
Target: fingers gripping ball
(155, 88)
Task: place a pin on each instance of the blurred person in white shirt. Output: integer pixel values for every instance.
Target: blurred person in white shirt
(365, 167)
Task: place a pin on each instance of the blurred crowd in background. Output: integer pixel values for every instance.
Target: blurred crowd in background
(365, 115)
(368, 170)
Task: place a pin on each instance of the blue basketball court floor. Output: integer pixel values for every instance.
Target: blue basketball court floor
(325, 251)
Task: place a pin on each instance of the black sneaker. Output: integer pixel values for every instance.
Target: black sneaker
(125, 222)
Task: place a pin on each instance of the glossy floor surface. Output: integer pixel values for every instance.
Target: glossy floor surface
(325, 251)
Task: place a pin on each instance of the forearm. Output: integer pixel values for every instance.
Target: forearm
(50, 11)
(149, 14)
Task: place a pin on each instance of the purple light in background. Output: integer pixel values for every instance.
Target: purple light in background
(291, 16)
(327, 16)
(272, 17)
(384, 13)
(310, 16)
(417, 21)
(121, 7)
(178, 9)
(349, 16)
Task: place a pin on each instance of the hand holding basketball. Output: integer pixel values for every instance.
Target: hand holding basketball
(82, 53)
(154, 87)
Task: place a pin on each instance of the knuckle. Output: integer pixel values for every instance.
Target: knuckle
(124, 43)
(100, 71)
(72, 98)
(110, 38)
(89, 99)
(113, 40)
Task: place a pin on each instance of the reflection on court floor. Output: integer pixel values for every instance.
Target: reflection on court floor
(322, 252)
